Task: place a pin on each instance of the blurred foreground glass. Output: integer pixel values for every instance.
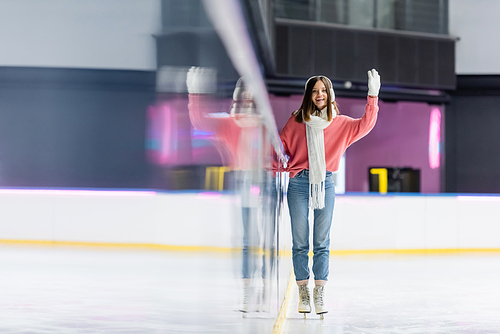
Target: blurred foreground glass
(206, 134)
(201, 138)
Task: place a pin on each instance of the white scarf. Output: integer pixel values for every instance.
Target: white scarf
(316, 154)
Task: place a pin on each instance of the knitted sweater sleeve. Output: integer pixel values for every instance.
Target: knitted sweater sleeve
(284, 137)
(286, 134)
(200, 106)
(358, 128)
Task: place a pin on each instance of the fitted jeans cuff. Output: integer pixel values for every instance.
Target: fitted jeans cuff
(303, 282)
(320, 282)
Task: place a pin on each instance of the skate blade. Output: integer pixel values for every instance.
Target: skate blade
(304, 313)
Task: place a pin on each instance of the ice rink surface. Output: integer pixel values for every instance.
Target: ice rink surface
(91, 290)
(94, 290)
(407, 294)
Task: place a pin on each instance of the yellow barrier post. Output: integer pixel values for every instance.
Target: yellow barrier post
(382, 178)
(214, 178)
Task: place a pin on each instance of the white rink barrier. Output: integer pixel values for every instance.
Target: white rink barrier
(361, 222)
(419, 222)
(174, 219)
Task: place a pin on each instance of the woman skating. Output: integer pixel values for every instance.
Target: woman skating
(315, 138)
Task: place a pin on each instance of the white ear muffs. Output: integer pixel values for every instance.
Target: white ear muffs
(238, 90)
(332, 93)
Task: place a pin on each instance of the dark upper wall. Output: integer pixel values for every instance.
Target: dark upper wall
(345, 54)
(74, 127)
(473, 135)
(188, 39)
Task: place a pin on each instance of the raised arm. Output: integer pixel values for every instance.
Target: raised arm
(201, 84)
(362, 126)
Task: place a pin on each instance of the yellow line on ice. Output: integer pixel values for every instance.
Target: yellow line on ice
(280, 320)
(120, 245)
(430, 251)
(179, 248)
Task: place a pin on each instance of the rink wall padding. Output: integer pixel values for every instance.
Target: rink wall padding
(191, 221)
(176, 221)
(416, 223)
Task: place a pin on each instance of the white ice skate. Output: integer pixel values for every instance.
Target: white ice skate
(246, 298)
(253, 299)
(304, 300)
(319, 305)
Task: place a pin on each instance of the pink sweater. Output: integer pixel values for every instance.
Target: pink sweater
(227, 132)
(339, 135)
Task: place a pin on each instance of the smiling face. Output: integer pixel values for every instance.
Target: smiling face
(319, 95)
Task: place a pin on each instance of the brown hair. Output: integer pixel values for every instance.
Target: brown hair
(308, 107)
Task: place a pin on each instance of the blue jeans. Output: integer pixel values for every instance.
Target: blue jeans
(252, 237)
(298, 203)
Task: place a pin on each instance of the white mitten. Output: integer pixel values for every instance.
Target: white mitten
(373, 82)
(192, 80)
(201, 80)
